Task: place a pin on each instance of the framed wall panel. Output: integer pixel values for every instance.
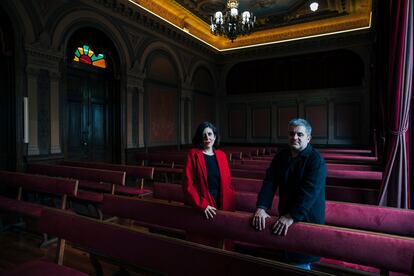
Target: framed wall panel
(261, 122)
(163, 122)
(237, 121)
(203, 109)
(347, 121)
(285, 114)
(317, 116)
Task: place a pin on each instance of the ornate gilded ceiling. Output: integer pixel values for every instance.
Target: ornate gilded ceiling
(276, 20)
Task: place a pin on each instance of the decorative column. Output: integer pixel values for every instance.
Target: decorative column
(32, 74)
(274, 125)
(331, 121)
(185, 115)
(135, 110)
(129, 121)
(141, 118)
(55, 146)
(43, 90)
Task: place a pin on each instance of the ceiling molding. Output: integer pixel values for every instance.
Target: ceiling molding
(357, 18)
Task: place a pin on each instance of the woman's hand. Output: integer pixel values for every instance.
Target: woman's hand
(210, 211)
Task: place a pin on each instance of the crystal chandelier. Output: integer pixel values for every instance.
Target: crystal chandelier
(231, 24)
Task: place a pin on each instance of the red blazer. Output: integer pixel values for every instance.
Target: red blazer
(195, 183)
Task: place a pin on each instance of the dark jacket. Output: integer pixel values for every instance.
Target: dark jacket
(301, 183)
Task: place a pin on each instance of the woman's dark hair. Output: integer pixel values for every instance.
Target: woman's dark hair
(198, 136)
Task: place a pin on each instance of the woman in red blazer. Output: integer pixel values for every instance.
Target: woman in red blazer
(207, 180)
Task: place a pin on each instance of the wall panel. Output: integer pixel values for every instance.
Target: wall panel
(237, 122)
(285, 114)
(162, 114)
(203, 109)
(261, 122)
(317, 116)
(347, 121)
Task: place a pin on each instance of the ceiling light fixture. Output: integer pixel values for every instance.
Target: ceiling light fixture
(231, 24)
(314, 6)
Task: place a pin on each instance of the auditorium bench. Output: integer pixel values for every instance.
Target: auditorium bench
(334, 193)
(162, 159)
(338, 187)
(22, 182)
(139, 173)
(168, 174)
(264, 164)
(359, 216)
(367, 152)
(355, 246)
(91, 179)
(41, 185)
(148, 252)
(348, 178)
(337, 158)
(92, 184)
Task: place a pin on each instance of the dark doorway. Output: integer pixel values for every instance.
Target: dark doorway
(88, 117)
(92, 102)
(7, 101)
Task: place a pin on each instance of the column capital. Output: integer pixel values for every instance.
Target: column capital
(47, 59)
(186, 92)
(32, 71)
(54, 75)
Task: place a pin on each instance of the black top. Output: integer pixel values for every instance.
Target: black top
(301, 183)
(213, 177)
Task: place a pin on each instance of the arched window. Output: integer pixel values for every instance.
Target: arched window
(86, 55)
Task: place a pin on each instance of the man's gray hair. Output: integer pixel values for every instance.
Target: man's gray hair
(301, 122)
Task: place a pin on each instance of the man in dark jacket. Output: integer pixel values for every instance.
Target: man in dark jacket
(299, 172)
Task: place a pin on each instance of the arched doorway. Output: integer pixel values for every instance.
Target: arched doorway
(92, 98)
(7, 95)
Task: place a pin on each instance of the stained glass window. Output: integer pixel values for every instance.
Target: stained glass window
(86, 55)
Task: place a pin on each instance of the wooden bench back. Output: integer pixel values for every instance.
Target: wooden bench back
(171, 158)
(388, 252)
(40, 183)
(139, 173)
(106, 176)
(146, 173)
(359, 216)
(334, 193)
(152, 252)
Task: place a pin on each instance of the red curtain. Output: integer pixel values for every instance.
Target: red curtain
(395, 188)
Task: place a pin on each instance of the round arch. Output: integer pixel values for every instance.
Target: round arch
(81, 19)
(161, 46)
(20, 19)
(92, 111)
(202, 64)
